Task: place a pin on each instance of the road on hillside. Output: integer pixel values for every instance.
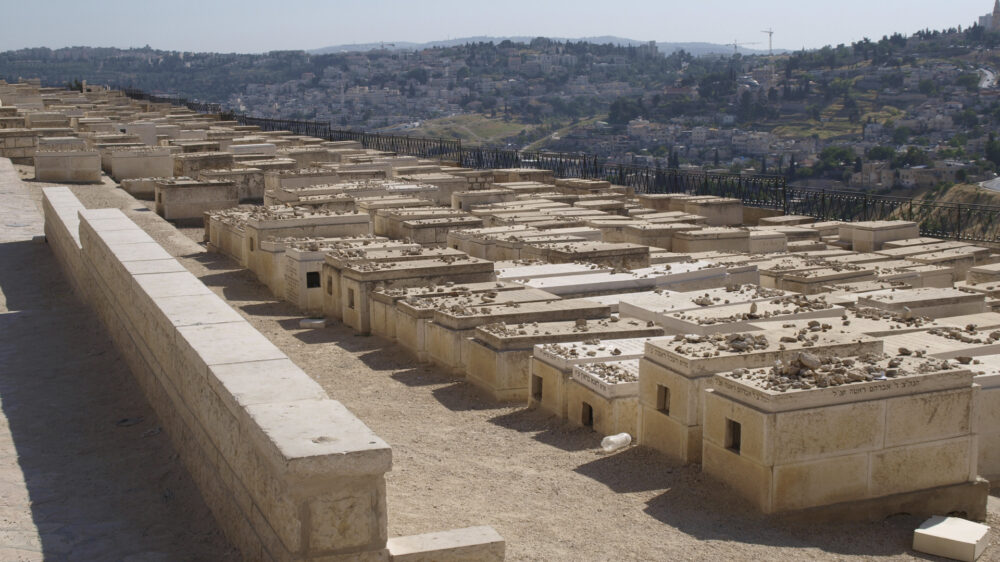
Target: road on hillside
(988, 79)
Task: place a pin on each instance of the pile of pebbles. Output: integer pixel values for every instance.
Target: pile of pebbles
(969, 335)
(809, 370)
(754, 291)
(692, 344)
(792, 304)
(611, 373)
(573, 350)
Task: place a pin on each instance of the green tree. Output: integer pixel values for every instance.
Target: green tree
(901, 135)
(969, 80)
(992, 150)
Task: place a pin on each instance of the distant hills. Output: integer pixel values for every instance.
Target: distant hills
(697, 49)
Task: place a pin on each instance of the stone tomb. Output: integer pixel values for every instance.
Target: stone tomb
(284, 223)
(919, 241)
(184, 199)
(303, 268)
(358, 280)
(434, 231)
(514, 271)
(740, 317)
(389, 222)
(652, 305)
(372, 204)
(447, 337)
(468, 200)
(477, 241)
(696, 275)
(141, 163)
(895, 436)
(960, 260)
(625, 256)
(659, 235)
(249, 181)
(916, 249)
(986, 422)
(718, 211)
(500, 355)
(932, 302)
(768, 242)
(412, 316)
(384, 302)
(613, 229)
(191, 163)
(674, 373)
(54, 164)
(535, 246)
(552, 367)
(335, 260)
(811, 281)
(870, 236)
(989, 273)
(712, 239)
(270, 259)
(945, 342)
(793, 220)
(604, 396)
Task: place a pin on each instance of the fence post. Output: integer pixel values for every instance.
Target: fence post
(958, 223)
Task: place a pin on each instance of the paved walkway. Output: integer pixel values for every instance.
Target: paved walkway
(85, 471)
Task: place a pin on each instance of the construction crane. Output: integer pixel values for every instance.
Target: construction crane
(736, 46)
(770, 41)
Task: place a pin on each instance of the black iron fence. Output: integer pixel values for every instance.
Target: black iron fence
(978, 223)
(200, 107)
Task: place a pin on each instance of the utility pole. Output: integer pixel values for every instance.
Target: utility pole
(770, 40)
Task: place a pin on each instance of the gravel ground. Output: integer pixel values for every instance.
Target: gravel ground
(461, 459)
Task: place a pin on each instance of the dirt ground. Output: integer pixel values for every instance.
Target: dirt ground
(462, 460)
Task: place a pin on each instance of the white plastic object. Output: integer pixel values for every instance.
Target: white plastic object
(612, 443)
(312, 323)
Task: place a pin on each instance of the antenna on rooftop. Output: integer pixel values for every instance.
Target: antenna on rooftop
(770, 40)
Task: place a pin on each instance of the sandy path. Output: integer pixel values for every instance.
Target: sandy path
(75, 484)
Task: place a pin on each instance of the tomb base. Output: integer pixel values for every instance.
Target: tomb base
(967, 499)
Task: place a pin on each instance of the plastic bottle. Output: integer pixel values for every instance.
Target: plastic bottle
(612, 443)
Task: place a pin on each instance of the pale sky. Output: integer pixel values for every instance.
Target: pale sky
(253, 26)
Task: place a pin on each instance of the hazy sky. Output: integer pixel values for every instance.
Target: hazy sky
(257, 25)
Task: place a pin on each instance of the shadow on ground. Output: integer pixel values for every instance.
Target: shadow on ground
(548, 429)
(100, 488)
(709, 511)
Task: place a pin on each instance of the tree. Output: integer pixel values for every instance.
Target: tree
(901, 135)
(969, 80)
(992, 150)
(881, 153)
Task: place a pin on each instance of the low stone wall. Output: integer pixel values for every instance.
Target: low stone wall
(289, 473)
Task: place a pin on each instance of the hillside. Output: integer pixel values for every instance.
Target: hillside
(474, 129)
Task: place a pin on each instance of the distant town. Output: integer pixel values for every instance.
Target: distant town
(897, 114)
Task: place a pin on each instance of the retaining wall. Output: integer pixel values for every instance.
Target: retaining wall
(289, 473)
